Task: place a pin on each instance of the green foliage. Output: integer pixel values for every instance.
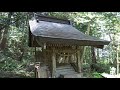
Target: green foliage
(18, 68)
(9, 65)
(17, 55)
(96, 75)
(101, 68)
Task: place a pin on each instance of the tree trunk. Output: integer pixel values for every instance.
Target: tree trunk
(84, 48)
(4, 38)
(98, 54)
(93, 55)
(21, 56)
(93, 64)
(0, 34)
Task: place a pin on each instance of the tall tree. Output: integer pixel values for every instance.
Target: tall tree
(5, 33)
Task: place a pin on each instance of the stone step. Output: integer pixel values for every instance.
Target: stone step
(65, 70)
(65, 67)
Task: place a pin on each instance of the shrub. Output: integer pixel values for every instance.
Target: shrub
(101, 67)
(96, 75)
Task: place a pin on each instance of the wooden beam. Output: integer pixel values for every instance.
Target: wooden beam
(64, 51)
(53, 63)
(42, 45)
(78, 60)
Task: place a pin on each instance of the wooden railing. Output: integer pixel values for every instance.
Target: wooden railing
(74, 66)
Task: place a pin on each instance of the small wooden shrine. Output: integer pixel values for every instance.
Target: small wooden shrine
(58, 47)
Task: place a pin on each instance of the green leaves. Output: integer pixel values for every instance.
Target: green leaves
(96, 75)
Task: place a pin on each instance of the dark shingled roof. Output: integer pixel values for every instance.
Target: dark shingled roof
(62, 33)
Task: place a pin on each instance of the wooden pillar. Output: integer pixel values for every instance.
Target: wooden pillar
(73, 58)
(78, 60)
(45, 56)
(53, 63)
